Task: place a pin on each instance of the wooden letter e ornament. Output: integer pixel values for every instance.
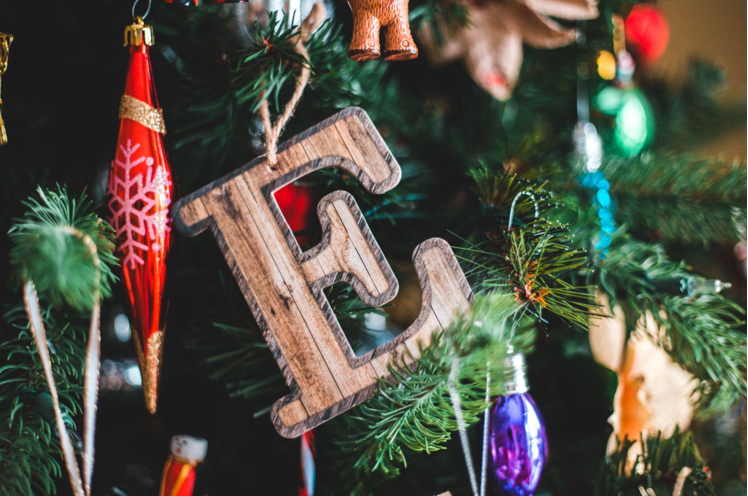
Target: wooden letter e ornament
(284, 286)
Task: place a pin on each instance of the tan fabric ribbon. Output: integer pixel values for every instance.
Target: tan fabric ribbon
(81, 486)
(274, 130)
(142, 113)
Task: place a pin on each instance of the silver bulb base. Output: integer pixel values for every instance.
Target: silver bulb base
(515, 374)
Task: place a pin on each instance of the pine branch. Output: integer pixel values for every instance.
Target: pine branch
(656, 469)
(701, 334)
(29, 445)
(414, 410)
(49, 249)
(497, 191)
(536, 259)
(267, 69)
(214, 118)
(663, 196)
(262, 72)
(532, 262)
(679, 199)
(705, 333)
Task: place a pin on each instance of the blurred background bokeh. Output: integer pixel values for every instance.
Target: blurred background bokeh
(712, 31)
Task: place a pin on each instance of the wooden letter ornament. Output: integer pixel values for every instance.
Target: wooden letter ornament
(392, 16)
(284, 286)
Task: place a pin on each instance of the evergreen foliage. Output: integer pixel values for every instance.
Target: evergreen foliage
(532, 260)
(701, 333)
(415, 409)
(49, 249)
(29, 445)
(656, 469)
(673, 198)
(703, 201)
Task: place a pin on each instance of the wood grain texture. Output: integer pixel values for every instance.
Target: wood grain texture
(284, 286)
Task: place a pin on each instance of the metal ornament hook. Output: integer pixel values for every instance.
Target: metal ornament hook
(514, 204)
(147, 11)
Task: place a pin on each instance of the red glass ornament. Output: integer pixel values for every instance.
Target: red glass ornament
(296, 202)
(140, 191)
(647, 33)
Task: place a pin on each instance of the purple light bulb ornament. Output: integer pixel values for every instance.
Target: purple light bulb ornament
(518, 444)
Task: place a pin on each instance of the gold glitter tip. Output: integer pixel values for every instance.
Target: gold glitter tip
(150, 367)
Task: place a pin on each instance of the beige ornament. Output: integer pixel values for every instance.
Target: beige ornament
(491, 44)
(654, 393)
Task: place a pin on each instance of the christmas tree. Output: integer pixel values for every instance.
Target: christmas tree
(578, 328)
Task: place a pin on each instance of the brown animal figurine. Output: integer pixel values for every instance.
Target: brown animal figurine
(371, 15)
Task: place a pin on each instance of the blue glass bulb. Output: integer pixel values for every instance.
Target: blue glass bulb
(519, 447)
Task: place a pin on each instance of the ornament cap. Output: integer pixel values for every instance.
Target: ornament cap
(515, 376)
(6, 39)
(138, 32)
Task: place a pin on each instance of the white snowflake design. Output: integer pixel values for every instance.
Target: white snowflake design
(138, 213)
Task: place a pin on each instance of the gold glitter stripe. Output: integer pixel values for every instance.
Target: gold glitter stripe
(142, 113)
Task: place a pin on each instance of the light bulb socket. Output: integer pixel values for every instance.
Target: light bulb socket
(690, 286)
(515, 374)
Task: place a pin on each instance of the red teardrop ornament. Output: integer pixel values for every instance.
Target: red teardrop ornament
(140, 190)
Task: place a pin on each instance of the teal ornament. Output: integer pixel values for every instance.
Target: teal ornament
(605, 209)
(634, 118)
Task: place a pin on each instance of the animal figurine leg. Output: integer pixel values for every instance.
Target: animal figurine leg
(398, 42)
(365, 40)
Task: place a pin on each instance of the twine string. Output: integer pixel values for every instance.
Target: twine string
(80, 486)
(273, 130)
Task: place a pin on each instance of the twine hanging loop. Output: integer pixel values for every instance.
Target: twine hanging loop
(274, 130)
